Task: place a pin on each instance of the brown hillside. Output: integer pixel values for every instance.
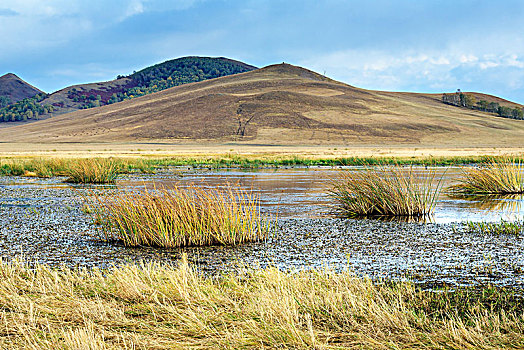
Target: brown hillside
(66, 104)
(15, 88)
(280, 104)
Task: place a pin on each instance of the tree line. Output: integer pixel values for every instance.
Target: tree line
(152, 79)
(163, 76)
(460, 99)
(28, 108)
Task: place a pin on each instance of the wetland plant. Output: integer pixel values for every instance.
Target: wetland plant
(496, 228)
(384, 191)
(178, 217)
(502, 176)
(92, 170)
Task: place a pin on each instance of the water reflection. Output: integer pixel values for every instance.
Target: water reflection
(302, 193)
(510, 203)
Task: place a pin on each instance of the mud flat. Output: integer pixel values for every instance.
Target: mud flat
(41, 220)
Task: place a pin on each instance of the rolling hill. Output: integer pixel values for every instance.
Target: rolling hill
(279, 104)
(15, 89)
(148, 80)
(92, 95)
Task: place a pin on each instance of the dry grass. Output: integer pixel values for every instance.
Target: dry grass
(502, 176)
(384, 191)
(149, 306)
(179, 217)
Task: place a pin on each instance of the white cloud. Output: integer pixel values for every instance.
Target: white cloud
(133, 8)
(411, 71)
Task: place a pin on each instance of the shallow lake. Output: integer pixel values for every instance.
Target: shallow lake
(301, 192)
(41, 220)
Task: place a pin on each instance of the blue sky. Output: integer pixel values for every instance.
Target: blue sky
(423, 46)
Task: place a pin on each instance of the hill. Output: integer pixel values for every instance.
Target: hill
(151, 79)
(14, 89)
(148, 80)
(279, 104)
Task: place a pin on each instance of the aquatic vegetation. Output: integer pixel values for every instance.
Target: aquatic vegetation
(178, 217)
(501, 176)
(92, 170)
(384, 191)
(154, 306)
(503, 227)
(54, 166)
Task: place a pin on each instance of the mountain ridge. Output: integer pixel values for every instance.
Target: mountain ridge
(150, 79)
(278, 104)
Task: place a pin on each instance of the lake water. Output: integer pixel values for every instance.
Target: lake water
(41, 221)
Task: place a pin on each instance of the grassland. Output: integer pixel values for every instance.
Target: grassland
(67, 166)
(157, 307)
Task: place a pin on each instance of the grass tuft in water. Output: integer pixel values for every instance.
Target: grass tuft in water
(502, 176)
(178, 217)
(496, 228)
(384, 191)
(92, 170)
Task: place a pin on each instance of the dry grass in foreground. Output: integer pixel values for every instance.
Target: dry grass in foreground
(178, 217)
(384, 191)
(503, 176)
(149, 306)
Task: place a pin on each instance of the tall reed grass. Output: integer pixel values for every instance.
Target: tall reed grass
(501, 176)
(178, 217)
(384, 191)
(150, 306)
(93, 170)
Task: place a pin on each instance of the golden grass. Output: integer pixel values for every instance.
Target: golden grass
(502, 176)
(149, 306)
(384, 191)
(93, 170)
(77, 170)
(177, 217)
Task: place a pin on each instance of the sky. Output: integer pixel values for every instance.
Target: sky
(404, 45)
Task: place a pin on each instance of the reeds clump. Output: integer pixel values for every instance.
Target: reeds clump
(178, 217)
(92, 170)
(384, 191)
(495, 177)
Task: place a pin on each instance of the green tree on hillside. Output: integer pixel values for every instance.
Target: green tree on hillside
(4, 101)
(460, 99)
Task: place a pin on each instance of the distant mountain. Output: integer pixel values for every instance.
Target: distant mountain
(148, 80)
(14, 89)
(280, 104)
